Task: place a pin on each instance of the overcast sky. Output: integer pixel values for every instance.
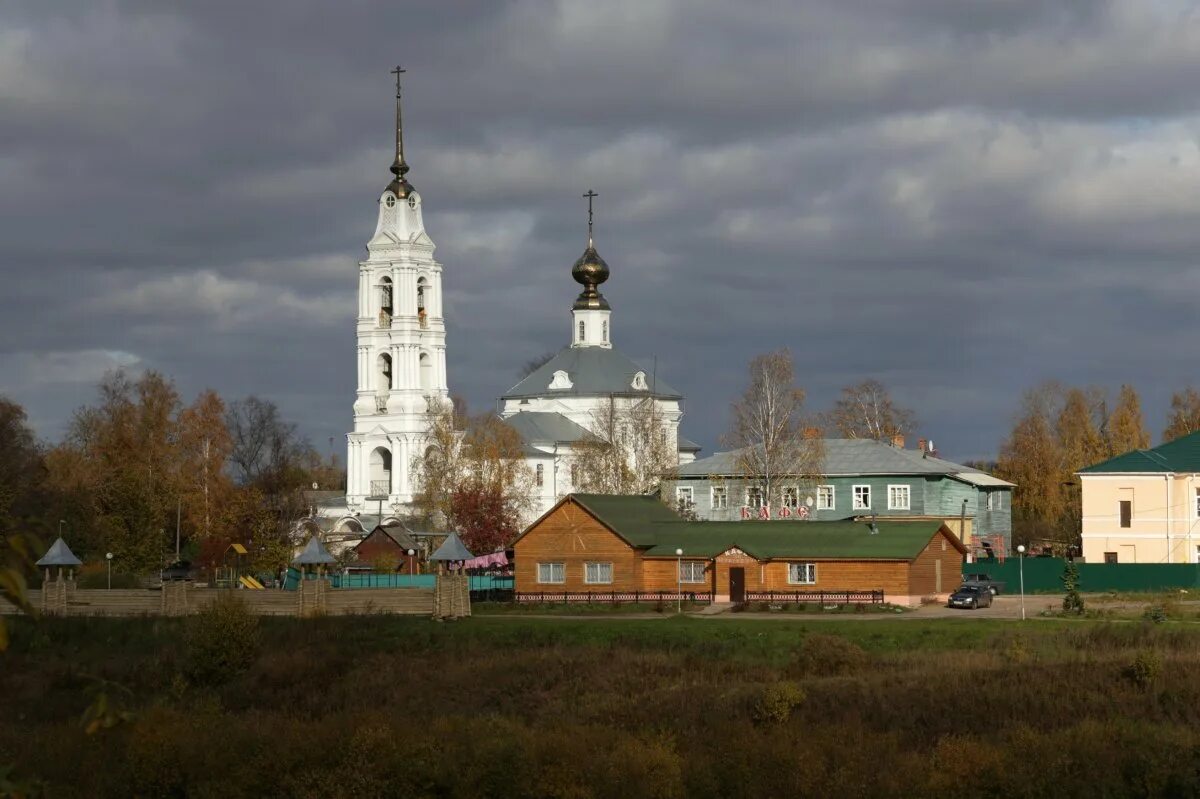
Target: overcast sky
(960, 199)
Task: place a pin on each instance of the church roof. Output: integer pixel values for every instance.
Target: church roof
(592, 371)
(687, 445)
(545, 427)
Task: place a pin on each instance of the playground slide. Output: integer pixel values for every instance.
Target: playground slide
(250, 582)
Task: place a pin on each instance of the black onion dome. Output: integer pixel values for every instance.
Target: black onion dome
(590, 271)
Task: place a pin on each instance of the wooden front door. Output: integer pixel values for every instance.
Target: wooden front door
(737, 585)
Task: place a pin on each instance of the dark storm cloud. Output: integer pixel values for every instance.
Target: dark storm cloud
(958, 198)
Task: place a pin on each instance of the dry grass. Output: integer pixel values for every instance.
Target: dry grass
(522, 707)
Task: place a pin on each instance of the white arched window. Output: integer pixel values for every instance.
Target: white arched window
(385, 294)
(582, 331)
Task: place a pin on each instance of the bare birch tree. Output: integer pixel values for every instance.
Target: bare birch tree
(630, 450)
(866, 410)
(768, 429)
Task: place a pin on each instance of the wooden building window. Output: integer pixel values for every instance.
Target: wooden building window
(791, 497)
(1110, 557)
(862, 498)
(691, 571)
(597, 573)
(719, 497)
(754, 497)
(552, 573)
(1126, 513)
(826, 498)
(802, 573)
(899, 497)
(684, 496)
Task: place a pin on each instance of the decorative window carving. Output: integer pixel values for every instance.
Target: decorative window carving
(560, 381)
(639, 382)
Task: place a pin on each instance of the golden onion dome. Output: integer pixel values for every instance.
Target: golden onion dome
(590, 271)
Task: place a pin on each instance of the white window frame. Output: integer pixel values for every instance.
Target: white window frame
(791, 497)
(593, 572)
(688, 572)
(685, 494)
(755, 491)
(718, 497)
(855, 502)
(549, 568)
(832, 497)
(907, 496)
(808, 576)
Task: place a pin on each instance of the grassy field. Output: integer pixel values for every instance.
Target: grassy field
(509, 706)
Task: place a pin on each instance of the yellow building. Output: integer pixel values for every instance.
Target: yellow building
(1144, 506)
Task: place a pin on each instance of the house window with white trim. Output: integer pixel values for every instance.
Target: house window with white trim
(720, 497)
(691, 571)
(826, 498)
(754, 497)
(791, 497)
(862, 498)
(802, 573)
(995, 499)
(899, 497)
(552, 573)
(597, 573)
(684, 497)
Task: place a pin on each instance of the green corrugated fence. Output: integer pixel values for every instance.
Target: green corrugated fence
(1044, 575)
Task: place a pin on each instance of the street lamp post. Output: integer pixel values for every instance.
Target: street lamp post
(679, 581)
(108, 557)
(1021, 555)
(411, 553)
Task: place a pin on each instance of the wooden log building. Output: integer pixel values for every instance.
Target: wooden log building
(599, 544)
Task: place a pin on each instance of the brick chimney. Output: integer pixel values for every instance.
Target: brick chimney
(921, 444)
(898, 441)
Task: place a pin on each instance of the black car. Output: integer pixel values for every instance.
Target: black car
(970, 596)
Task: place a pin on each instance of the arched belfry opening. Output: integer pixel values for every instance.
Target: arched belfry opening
(381, 472)
(422, 299)
(426, 372)
(384, 366)
(386, 308)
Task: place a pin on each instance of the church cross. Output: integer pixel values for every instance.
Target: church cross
(399, 125)
(590, 196)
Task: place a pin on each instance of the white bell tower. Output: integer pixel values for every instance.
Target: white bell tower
(401, 347)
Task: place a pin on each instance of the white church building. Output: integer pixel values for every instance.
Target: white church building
(401, 368)
(558, 404)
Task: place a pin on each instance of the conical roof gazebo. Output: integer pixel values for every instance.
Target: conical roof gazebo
(452, 549)
(59, 555)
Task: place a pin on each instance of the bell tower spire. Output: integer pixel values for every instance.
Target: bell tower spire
(590, 314)
(399, 185)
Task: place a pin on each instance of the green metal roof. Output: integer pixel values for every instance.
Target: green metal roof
(634, 518)
(646, 522)
(1180, 455)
